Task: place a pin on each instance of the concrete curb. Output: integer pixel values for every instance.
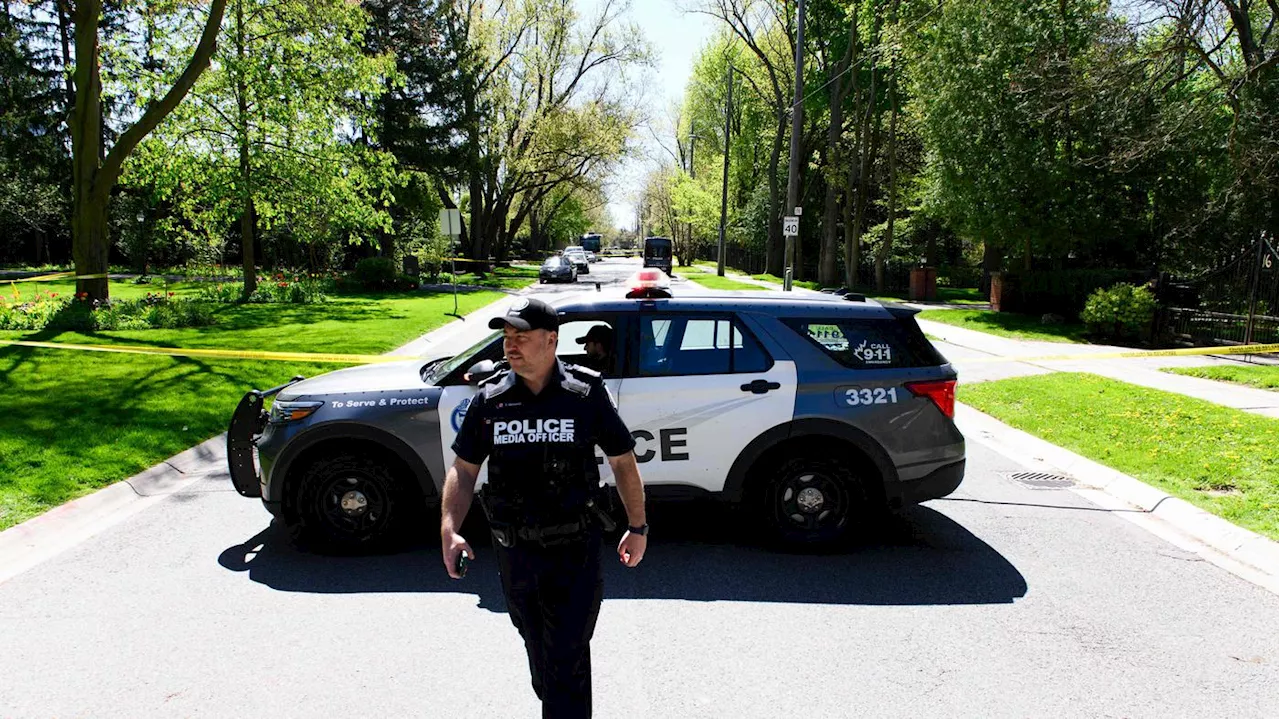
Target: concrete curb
(25, 545)
(1240, 551)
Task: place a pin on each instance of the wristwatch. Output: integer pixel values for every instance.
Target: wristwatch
(642, 530)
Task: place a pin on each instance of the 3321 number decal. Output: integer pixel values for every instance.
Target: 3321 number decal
(855, 397)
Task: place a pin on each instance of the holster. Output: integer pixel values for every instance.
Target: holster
(599, 506)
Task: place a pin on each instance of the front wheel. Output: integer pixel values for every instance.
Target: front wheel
(808, 503)
(348, 503)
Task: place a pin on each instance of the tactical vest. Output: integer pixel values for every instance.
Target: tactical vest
(534, 484)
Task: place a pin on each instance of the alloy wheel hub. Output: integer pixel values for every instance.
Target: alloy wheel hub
(810, 500)
(354, 502)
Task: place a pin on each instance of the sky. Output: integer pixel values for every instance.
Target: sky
(674, 37)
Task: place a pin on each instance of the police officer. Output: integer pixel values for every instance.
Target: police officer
(538, 423)
(598, 343)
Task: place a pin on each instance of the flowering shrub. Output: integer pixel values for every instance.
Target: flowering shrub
(153, 311)
(299, 288)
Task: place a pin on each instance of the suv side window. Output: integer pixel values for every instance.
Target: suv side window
(693, 345)
(869, 343)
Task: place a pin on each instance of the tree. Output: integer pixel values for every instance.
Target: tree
(420, 115)
(260, 141)
(555, 111)
(998, 127)
(34, 170)
(1225, 53)
(94, 173)
(766, 29)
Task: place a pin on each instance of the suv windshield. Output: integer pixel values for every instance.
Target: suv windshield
(657, 250)
(443, 369)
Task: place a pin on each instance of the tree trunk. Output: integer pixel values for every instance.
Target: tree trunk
(93, 172)
(886, 245)
(991, 260)
(89, 206)
(774, 246)
(476, 189)
(827, 256)
(248, 224)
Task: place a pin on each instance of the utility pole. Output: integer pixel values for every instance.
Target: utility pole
(724, 181)
(693, 142)
(793, 171)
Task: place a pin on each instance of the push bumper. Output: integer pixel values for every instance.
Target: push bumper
(247, 424)
(938, 483)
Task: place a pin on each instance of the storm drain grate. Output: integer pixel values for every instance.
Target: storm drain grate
(1042, 480)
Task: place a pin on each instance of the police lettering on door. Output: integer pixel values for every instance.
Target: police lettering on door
(531, 431)
(670, 443)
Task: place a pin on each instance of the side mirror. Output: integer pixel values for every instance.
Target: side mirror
(481, 371)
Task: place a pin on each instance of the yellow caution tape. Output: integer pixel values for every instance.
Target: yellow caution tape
(1232, 350)
(53, 277)
(214, 354)
(369, 359)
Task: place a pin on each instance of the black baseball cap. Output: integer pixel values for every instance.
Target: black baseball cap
(598, 333)
(528, 314)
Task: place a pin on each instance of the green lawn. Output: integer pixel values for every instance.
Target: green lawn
(512, 278)
(1220, 459)
(807, 284)
(11, 290)
(1260, 376)
(73, 422)
(1008, 324)
(950, 295)
(715, 282)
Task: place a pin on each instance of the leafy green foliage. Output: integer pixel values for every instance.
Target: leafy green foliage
(1122, 311)
(376, 273)
(266, 133)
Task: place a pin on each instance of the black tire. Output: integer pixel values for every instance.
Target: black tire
(811, 503)
(348, 504)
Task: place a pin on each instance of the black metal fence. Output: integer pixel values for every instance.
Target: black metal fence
(1237, 303)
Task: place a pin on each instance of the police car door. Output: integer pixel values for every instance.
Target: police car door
(699, 387)
(455, 398)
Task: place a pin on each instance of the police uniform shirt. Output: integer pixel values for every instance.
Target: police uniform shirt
(541, 447)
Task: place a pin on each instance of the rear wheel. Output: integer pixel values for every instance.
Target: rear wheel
(811, 502)
(349, 503)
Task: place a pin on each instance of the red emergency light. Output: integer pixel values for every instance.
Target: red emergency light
(649, 283)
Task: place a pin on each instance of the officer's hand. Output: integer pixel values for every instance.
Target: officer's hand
(631, 548)
(452, 545)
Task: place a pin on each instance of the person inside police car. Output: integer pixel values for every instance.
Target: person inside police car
(537, 424)
(598, 344)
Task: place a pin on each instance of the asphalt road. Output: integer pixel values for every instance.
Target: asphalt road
(1003, 600)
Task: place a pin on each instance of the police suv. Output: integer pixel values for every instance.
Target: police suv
(804, 410)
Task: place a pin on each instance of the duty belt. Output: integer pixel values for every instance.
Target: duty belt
(509, 535)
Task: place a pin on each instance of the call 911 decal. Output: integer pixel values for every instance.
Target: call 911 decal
(861, 396)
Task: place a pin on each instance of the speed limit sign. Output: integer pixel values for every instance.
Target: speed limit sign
(791, 226)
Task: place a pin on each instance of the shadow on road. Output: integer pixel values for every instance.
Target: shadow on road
(918, 557)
